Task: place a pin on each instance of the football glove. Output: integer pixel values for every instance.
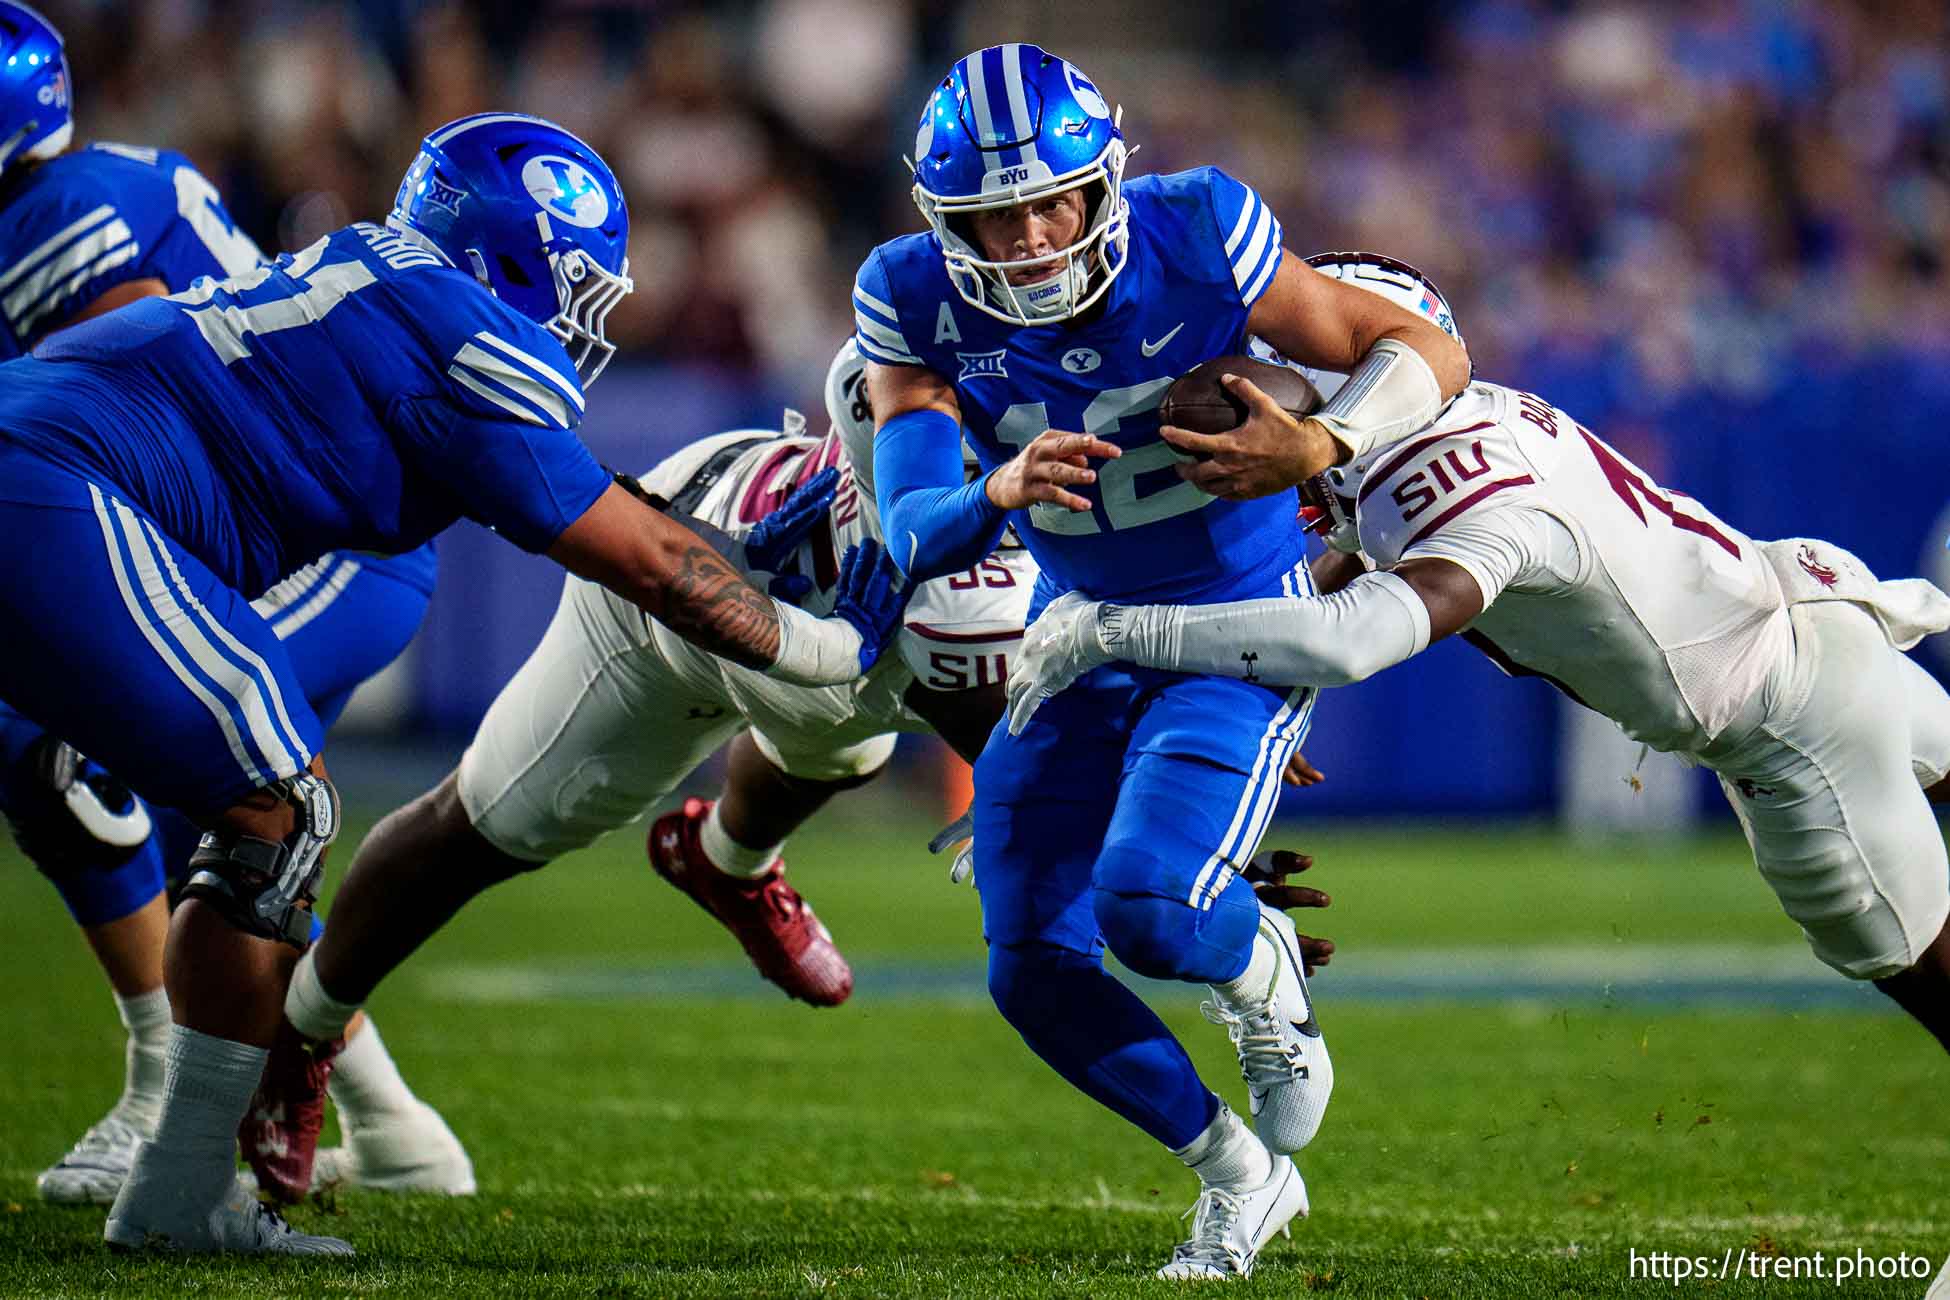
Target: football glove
(1059, 647)
(870, 596)
(774, 543)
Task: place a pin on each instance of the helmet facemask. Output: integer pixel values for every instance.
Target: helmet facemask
(1087, 266)
(585, 293)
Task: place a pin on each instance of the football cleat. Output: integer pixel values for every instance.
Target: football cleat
(279, 1133)
(151, 1214)
(412, 1152)
(1289, 1076)
(92, 1171)
(1230, 1226)
(767, 916)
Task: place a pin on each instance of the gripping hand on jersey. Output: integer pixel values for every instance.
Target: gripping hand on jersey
(871, 595)
(1060, 646)
(774, 543)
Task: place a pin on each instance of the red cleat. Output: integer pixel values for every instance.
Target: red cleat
(776, 926)
(279, 1135)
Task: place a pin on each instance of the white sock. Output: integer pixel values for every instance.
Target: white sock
(1254, 985)
(311, 1010)
(1228, 1154)
(727, 854)
(206, 1090)
(365, 1083)
(146, 1017)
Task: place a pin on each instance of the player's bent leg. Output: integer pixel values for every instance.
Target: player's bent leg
(1173, 904)
(726, 856)
(1826, 786)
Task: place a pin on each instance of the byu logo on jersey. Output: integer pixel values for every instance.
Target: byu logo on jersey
(1081, 361)
(566, 189)
(977, 365)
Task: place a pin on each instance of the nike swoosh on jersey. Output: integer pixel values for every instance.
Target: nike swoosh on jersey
(1152, 349)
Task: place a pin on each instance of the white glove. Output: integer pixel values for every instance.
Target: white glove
(1060, 646)
(958, 835)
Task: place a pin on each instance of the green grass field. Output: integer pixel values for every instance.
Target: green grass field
(647, 1121)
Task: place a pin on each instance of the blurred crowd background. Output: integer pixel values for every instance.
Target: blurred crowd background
(1718, 230)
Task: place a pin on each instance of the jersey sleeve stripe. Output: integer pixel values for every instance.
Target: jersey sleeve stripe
(1381, 473)
(861, 298)
(1246, 210)
(522, 381)
(473, 383)
(1247, 259)
(1488, 489)
(881, 343)
(119, 255)
(1268, 264)
(54, 244)
(567, 387)
(65, 265)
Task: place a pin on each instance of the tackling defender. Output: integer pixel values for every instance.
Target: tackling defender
(611, 711)
(366, 392)
(1778, 665)
(1051, 294)
(82, 231)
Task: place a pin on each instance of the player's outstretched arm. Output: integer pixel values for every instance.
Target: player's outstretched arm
(1375, 622)
(673, 575)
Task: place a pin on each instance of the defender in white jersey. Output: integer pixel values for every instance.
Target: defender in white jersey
(612, 711)
(1777, 664)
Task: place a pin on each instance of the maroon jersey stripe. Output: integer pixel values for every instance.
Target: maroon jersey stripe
(1382, 472)
(1464, 504)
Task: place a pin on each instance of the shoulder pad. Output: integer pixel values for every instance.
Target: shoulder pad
(1426, 482)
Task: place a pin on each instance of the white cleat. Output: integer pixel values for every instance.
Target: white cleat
(92, 1171)
(1229, 1228)
(416, 1152)
(1289, 1075)
(202, 1209)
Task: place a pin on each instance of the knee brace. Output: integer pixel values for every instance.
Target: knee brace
(265, 888)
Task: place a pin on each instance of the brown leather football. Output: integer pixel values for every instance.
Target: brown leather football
(1200, 403)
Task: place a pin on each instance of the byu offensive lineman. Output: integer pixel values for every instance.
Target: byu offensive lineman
(611, 712)
(366, 392)
(1048, 295)
(1779, 665)
(83, 231)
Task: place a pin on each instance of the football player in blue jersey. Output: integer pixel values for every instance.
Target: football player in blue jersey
(160, 461)
(82, 231)
(1044, 314)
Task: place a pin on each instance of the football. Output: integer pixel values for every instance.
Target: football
(1200, 403)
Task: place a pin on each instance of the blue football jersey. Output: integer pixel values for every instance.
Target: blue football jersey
(78, 225)
(360, 394)
(1203, 248)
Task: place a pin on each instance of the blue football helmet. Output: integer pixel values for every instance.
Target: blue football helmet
(535, 214)
(1007, 125)
(35, 119)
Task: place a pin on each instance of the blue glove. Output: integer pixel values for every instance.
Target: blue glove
(772, 544)
(871, 595)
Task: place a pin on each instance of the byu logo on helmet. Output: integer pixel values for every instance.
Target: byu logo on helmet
(1088, 97)
(566, 190)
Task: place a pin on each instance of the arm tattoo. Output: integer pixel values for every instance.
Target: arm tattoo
(707, 602)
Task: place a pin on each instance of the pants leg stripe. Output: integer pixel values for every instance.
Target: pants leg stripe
(1261, 795)
(277, 736)
(317, 599)
(152, 629)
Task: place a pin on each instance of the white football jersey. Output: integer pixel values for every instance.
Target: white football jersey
(958, 631)
(1638, 601)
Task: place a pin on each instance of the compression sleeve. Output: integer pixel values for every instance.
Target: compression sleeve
(1374, 622)
(935, 524)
